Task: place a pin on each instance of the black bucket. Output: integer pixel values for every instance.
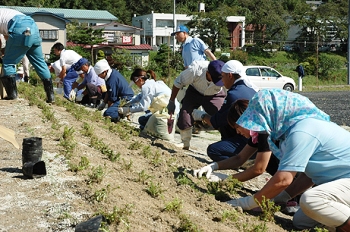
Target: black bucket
(34, 169)
(91, 225)
(32, 150)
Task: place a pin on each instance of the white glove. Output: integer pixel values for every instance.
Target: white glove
(283, 197)
(197, 114)
(246, 203)
(208, 169)
(79, 97)
(73, 94)
(101, 106)
(123, 110)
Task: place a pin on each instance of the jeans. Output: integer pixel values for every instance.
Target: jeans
(18, 45)
(226, 148)
(68, 81)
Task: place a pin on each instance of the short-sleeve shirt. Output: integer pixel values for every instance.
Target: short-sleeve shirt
(68, 58)
(91, 77)
(193, 49)
(319, 148)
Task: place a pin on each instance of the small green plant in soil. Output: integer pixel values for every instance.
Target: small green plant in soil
(101, 195)
(96, 176)
(143, 177)
(268, 210)
(83, 164)
(154, 189)
(174, 206)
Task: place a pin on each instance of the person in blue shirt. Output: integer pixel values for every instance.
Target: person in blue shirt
(117, 89)
(192, 48)
(238, 87)
(308, 143)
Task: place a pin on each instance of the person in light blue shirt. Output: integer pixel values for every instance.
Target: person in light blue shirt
(308, 143)
(192, 48)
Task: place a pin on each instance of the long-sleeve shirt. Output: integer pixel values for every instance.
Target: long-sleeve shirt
(219, 120)
(117, 87)
(91, 77)
(195, 75)
(150, 90)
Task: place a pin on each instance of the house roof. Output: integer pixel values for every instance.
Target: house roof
(67, 13)
(135, 47)
(127, 47)
(59, 16)
(116, 24)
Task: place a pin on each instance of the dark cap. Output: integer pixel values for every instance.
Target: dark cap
(81, 62)
(214, 68)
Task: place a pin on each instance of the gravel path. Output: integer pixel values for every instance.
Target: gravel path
(336, 104)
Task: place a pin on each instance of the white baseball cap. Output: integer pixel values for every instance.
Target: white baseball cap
(234, 67)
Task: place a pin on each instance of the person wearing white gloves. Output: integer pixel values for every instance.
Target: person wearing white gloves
(67, 75)
(204, 89)
(150, 88)
(323, 157)
(256, 143)
(238, 87)
(94, 86)
(117, 89)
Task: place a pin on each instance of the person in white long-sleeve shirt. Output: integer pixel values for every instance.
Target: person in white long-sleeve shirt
(150, 88)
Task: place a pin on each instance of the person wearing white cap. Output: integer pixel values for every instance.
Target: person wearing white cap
(204, 89)
(237, 88)
(192, 48)
(117, 89)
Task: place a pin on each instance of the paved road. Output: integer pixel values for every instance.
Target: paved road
(336, 104)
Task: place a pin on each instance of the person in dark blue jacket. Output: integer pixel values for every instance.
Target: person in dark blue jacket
(238, 87)
(117, 89)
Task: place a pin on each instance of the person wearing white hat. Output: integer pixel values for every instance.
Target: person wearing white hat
(237, 88)
(117, 89)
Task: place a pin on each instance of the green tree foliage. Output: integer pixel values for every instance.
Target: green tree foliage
(211, 28)
(267, 18)
(83, 35)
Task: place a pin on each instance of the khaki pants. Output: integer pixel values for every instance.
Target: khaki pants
(327, 204)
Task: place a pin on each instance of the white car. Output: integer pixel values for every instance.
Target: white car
(266, 77)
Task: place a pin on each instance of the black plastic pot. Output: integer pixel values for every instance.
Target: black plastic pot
(91, 225)
(31, 150)
(34, 169)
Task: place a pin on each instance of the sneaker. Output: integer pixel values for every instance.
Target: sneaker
(290, 208)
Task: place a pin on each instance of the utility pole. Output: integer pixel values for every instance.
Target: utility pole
(174, 21)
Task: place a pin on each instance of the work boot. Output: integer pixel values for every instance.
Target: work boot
(186, 137)
(9, 82)
(345, 227)
(49, 90)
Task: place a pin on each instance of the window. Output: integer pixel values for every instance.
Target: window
(49, 34)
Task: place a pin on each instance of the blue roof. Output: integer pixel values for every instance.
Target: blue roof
(68, 13)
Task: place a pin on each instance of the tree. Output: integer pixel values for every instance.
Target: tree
(268, 18)
(83, 35)
(211, 27)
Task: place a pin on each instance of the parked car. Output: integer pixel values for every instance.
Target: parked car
(267, 77)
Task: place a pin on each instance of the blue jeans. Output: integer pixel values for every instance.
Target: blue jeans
(68, 81)
(18, 45)
(226, 148)
(144, 119)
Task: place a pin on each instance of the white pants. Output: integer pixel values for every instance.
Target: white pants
(327, 204)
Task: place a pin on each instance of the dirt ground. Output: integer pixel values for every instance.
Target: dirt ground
(64, 198)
